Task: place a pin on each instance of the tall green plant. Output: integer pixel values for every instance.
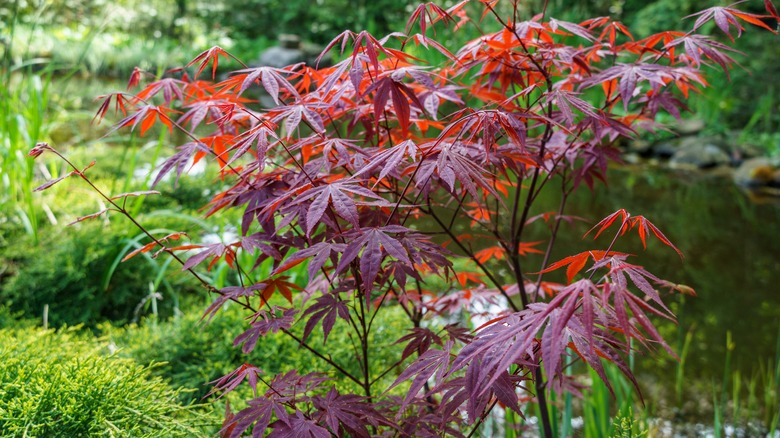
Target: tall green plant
(24, 103)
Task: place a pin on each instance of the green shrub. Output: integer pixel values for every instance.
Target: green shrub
(14, 319)
(77, 271)
(62, 384)
(70, 272)
(197, 352)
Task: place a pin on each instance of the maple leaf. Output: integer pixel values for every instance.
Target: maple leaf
(257, 136)
(697, 45)
(170, 87)
(503, 389)
(421, 39)
(565, 100)
(770, 7)
(432, 362)
(493, 252)
(260, 412)
(461, 334)
(374, 243)
(215, 250)
(348, 153)
(120, 105)
(179, 160)
(146, 115)
(281, 285)
(327, 308)
(555, 337)
(629, 76)
(335, 194)
(298, 425)
(725, 17)
(453, 165)
(231, 381)
(424, 14)
(291, 384)
(399, 93)
(389, 160)
(576, 262)
(262, 323)
(227, 427)
(666, 100)
(504, 341)
(135, 78)
(210, 55)
(644, 226)
(213, 110)
(231, 293)
(575, 29)
(471, 299)
(433, 97)
(271, 79)
(628, 222)
(463, 277)
(609, 27)
(624, 299)
(293, 114)
(347, 412)
(420, 339)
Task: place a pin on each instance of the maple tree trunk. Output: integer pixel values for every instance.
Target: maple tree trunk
(541, 399)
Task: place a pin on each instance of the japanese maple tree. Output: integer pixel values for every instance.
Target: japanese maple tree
(360, 170)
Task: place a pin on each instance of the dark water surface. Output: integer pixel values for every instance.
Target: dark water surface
(732, 259)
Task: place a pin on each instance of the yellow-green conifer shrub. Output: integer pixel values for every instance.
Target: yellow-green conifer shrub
(63, 384)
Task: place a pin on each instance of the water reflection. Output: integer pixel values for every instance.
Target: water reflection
(731, 252)
(731, 249)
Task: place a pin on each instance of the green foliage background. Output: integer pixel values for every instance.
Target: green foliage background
(197, 352)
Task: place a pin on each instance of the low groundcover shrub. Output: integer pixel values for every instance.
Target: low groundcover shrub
(65, 384)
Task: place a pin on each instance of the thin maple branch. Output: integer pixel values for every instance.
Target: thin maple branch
(482, 418)
(470, 254)
(200, 279)
(130, 217)
(378, 306)
(330, 361)
(553, 236)
(618, 233)
(363, 336)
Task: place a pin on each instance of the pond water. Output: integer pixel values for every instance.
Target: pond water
(732, 260)
(731, 247)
